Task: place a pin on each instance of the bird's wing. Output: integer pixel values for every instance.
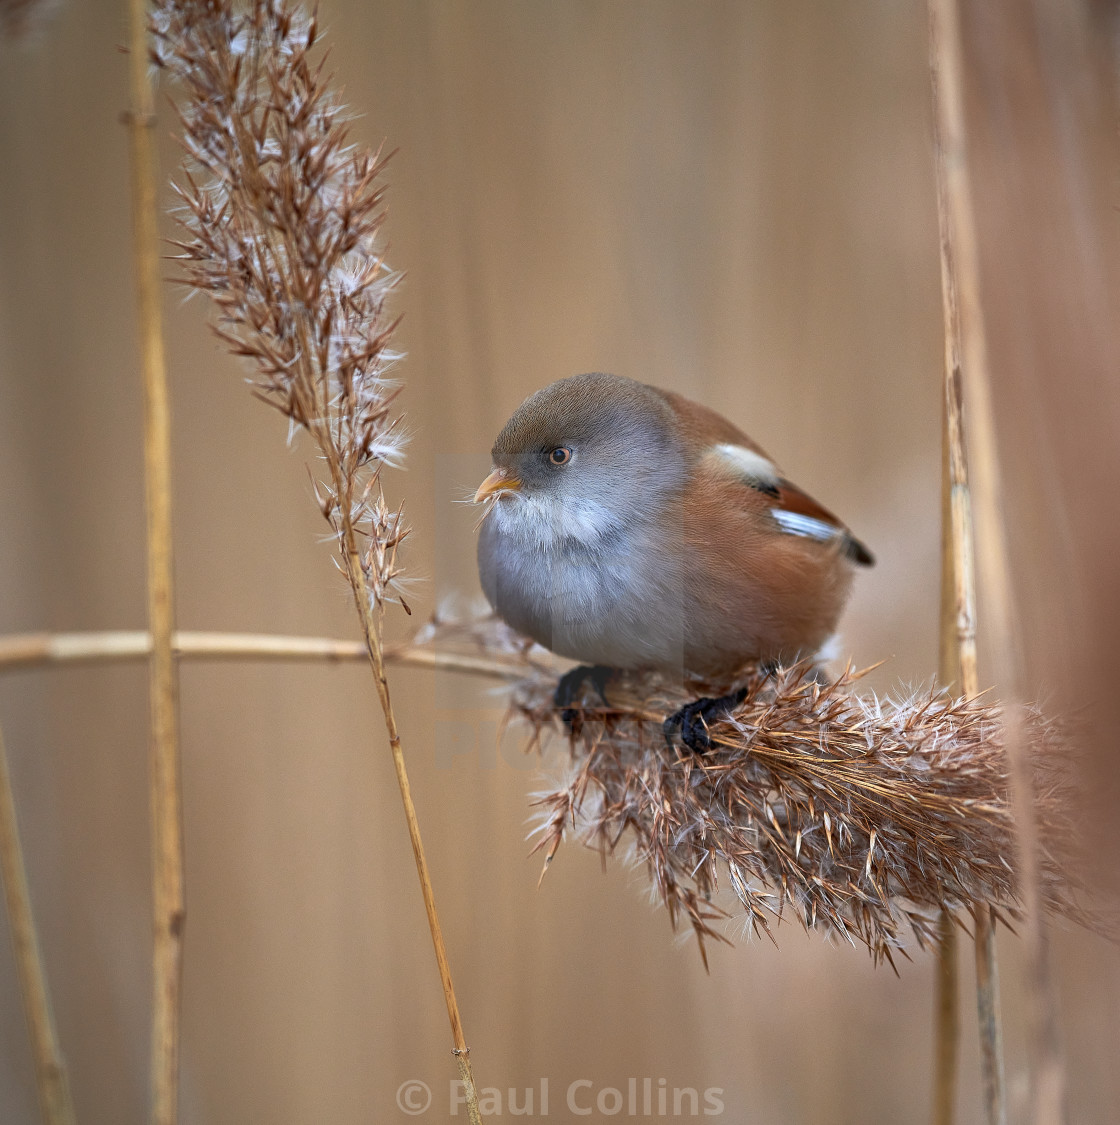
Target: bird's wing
(799, 514)
(794, 511)
(725, 451)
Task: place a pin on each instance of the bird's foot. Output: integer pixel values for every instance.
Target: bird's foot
(694, 719)
(570, 687)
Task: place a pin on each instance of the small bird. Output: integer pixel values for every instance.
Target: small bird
(629, 528)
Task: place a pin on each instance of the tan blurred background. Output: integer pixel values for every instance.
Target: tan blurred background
(734, 200)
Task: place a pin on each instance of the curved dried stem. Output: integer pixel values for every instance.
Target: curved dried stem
(280, 226)
(50, 1071)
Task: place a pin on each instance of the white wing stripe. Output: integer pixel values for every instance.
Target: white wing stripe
(798, 524)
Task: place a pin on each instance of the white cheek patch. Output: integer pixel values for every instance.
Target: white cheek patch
(546, 520)
(745, 464)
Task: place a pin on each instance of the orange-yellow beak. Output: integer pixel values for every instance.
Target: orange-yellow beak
(498, 481)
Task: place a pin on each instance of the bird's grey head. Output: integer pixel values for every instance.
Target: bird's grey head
(581, 459)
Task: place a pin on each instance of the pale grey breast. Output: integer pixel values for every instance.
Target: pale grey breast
(610, 597)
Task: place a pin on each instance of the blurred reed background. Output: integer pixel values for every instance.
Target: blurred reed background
(732, 200)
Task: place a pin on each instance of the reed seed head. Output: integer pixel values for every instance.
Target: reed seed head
(859, 816)
(280, 219)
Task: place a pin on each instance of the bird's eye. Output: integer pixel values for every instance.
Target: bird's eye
(561, 455)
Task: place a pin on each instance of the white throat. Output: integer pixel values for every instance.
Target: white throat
(550, 522)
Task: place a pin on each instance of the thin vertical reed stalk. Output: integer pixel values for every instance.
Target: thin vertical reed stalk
(947, 1007)
(947, 1022)
(166, 797)
(50, 1072)
(958, 655)
(987, 1010)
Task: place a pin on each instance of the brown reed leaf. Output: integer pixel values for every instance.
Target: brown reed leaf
(860, 816)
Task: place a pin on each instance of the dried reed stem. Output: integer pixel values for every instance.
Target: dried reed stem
(36, 650)
(987, 1009)
(280, 227)
(50, 1071)
(947, 1007)
(371, 626)
(947, 83)
(947, 1022)
(967, 349)
(166, 796)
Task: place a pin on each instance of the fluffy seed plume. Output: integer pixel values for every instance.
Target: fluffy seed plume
(856, 815)
(281, 217)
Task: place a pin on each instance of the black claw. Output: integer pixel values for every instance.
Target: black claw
(694, 719)
(570, 687)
